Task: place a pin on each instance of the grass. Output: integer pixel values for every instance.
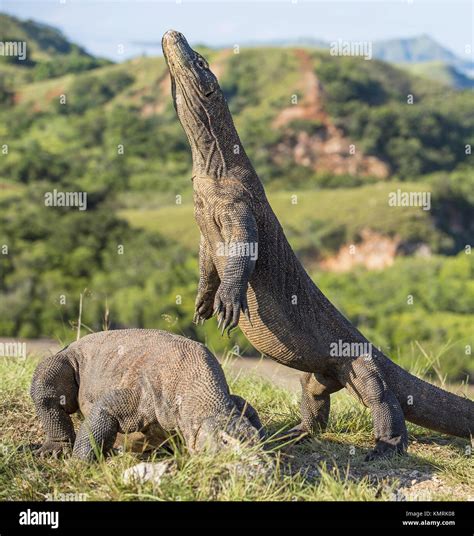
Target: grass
(173, 221)
(329, 467)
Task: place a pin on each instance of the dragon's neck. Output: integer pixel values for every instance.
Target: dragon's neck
(215, 144)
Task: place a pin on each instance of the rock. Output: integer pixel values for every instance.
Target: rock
(145, 472)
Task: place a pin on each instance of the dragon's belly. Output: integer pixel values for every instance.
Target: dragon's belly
(275, 336)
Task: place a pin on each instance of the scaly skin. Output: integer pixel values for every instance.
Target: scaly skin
(149, 383)
(286, 316)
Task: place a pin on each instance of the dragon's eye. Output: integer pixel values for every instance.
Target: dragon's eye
(201, 64)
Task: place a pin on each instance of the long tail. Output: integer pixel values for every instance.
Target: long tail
(428, 405)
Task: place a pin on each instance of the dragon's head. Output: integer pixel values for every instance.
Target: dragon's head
(202, 109)
(233, 432)
(194, 86)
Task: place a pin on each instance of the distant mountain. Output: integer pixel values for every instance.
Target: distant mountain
(48, 52)
(416, 50)
(426, 57)
(404, 50)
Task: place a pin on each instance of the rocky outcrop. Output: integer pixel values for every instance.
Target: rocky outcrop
(324, 147)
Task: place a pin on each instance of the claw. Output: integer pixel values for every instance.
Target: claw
(225, 325)
(246, 312)
(247, 316)
(234, 321)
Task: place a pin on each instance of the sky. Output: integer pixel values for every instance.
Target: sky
(122, 29)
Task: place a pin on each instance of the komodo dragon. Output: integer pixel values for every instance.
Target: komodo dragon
(138, 380)
(286, 316)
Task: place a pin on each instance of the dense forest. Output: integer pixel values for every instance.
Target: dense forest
(330, 137)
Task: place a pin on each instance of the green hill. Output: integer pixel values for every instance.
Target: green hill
(48, 52)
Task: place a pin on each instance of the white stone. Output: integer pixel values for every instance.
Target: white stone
(145, 472)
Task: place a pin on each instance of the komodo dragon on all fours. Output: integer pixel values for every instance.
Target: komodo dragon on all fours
(286, 316)
(138, 380)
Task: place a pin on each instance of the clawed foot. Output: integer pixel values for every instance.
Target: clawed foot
(227, 306)
(53, 449)
(386, 448)
(203, 307)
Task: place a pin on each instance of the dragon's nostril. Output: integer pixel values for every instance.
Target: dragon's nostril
(173, 35)
(170, 35)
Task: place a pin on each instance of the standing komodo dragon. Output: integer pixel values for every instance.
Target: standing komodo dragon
(138, 380)
(286, 316)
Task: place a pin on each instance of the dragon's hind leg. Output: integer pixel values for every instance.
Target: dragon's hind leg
(315, 404)
(365, 381)
(316, 401)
